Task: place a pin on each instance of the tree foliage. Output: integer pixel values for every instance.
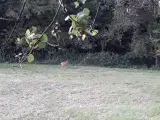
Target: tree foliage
(122, 27)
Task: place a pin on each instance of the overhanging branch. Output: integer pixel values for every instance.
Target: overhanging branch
(38, 41)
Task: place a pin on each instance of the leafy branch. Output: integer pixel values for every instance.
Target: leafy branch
(79, 28)
(29, 55)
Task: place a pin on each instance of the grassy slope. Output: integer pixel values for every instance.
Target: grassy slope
(78, 93)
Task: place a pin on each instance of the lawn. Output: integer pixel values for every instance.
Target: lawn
(47, 92)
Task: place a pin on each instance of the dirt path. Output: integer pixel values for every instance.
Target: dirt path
(83, 93)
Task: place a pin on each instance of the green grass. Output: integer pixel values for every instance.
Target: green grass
(104, 93)
(79, 114)
(154, 111)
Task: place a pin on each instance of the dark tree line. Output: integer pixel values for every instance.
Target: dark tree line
(128, 29)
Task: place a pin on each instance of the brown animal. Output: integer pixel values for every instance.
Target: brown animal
(64, 64)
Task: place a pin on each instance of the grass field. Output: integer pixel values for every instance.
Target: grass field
(46, 92)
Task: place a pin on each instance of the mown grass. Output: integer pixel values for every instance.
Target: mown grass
(146, 82)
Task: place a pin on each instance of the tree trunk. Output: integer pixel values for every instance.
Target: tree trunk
(156, 62)
(102, 45)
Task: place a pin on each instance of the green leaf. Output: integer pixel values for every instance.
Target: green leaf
(44, 38)
(86, 11)
(83, 21)
(73, 18)
(94, 32)
(76, 32)
(33, 42)
(91, 32)
(34, 29)
(30, 58)
(21, 41)
(28, 33)
(27, 41)
(80, 15)
(38, 35)
(41, 45)
(35, 47)
(76, 4)
(18, 41)
(73, 24)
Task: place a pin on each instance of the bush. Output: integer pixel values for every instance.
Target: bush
(103, 59)
(107, 60)
(95, 59)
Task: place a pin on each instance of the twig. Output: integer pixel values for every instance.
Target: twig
(53, 20)
(53, 45)
(6, 19)
(24, 58)
(142, 3)
(96, 15)
(15, 25)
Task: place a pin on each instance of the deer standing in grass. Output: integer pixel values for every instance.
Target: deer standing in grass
(64, 64)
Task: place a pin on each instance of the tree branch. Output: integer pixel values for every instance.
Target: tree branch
(15, 25)
(6, 19)
(96, 15)
(38, 41)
